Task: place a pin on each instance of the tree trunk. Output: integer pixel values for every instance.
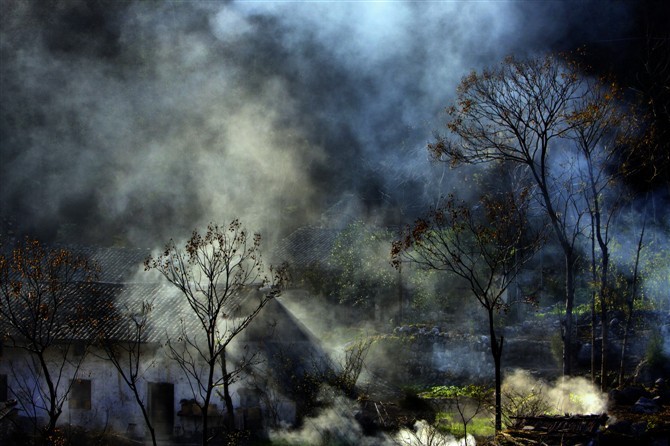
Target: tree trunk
(205, 424)
(400, 300)
(603, 321)
(594, 319)
(54, 410)
(631, 306)
(569, 303)
(230, 409)
(205, 404)
(624, 344)
(145, 414)
(604, 284)
(496, 352)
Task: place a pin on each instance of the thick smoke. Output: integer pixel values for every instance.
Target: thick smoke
(338, 425)
(568, 395)
(335, 425)
(132, 122)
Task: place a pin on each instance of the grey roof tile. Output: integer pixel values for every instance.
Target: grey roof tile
(306, 247)
(104, 309)
(117, 265)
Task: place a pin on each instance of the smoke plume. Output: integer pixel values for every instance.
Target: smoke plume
(568, 395)
(338, 425)
(133, 122)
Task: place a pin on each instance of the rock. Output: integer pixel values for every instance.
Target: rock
(661, 391)
(628, 395)
(621, 427)
(647, 374)
(615, 396)
(638, 429)
(646, 406)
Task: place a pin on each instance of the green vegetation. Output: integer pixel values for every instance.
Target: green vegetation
(527, 401)
(449, 392)
(558, 311)
(463, 409)
(654, 355)
(450, 422)
(360, 257)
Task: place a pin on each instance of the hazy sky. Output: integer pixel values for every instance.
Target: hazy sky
(137, 121)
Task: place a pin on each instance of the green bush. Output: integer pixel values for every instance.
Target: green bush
(654, 355)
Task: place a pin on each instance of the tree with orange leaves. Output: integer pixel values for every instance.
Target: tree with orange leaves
(41, 313)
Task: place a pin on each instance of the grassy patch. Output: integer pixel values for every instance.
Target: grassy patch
(558, 311)
(451, 423)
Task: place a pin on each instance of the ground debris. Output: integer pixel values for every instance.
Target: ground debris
(553, 429)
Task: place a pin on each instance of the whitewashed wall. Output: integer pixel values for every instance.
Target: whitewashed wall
(112, 403)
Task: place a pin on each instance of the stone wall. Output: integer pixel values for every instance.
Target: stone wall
(416, 355)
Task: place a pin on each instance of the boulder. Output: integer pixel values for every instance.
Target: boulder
(620, 427)
(638, 428)
(661, 391)
(628, 395)
(647, 373)
(646, 406)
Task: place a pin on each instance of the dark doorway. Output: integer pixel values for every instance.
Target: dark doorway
(3, 388)
(161, 407)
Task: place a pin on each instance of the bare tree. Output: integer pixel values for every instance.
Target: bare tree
(469, 401)
(485, 245)
(43, 314)
(603, 132)
(423, 433)
(630, 302)
(526, 112)
(126, 355)
(216, 272)
(527, 401)
(652, 84)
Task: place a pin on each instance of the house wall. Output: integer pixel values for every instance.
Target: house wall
(113, 404)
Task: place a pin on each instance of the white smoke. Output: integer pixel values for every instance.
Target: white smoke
(568, 395)
(335, 425)
(424, 434)
(338, 425)
(143, 120)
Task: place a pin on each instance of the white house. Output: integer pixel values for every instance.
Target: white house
(98, 396)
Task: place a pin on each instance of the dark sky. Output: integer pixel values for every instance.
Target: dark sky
(135, 121)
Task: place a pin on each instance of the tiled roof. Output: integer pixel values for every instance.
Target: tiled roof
(306, 247)
(117, 265)
(122, 286)
(122, 300)
(106, 307)
(8, 409)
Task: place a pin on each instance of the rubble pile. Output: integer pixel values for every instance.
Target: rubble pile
(568, 429)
